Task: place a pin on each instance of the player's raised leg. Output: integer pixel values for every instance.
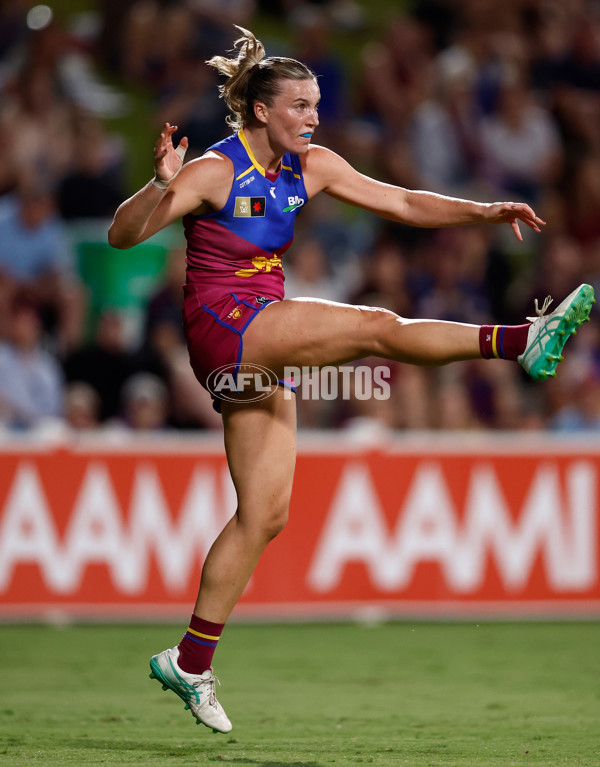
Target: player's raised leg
(312, 332)
(260, 441)
(316, 332)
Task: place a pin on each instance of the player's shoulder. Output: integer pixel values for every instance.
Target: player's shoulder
(211, 168)
(211, 161)
(316, 153)
(321, 165)
(318, 156)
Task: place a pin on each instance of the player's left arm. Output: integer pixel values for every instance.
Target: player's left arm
(326, 171)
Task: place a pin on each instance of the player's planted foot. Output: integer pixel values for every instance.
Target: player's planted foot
(196, 690)
(550, 332)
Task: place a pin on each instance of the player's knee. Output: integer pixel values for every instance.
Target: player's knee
(275, 521)
(264, 525)
(377, 324)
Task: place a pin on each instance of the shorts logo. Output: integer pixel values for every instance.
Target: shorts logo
(261, 299)
(235, 314)
(293, 203)
(246, 207)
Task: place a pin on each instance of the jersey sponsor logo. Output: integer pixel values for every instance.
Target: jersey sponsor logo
(246, 207)
(247, 181)
(294, 203)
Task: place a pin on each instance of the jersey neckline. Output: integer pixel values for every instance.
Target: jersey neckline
(263, 171)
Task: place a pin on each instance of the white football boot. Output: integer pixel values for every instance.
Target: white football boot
(550, 332)
(196, 690)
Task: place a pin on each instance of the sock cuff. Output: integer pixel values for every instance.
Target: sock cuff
(505, 342)
(198, 645)
(204, 632)
(491, 341)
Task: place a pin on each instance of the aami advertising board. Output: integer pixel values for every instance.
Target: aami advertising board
(437, 526)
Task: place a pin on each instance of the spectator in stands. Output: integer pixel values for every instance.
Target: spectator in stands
(155, 37)
(81, 406)
(312, 44)
(93, 184)
(444, 133)
(40, 139)
(191, 405)
(561, 260)
(520, 144)
(104, 364)
(35, 256)
(453, 410)
(165, 304)
(144, 403)
(392, 73)
(308, 273)
(575, 401)
(9, 165)
(190, 98)
(583, 200)
(453, 284)
(385, 279)
(582, 411)
(31, 380)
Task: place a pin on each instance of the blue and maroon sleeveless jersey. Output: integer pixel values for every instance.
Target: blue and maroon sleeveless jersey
(240, 247)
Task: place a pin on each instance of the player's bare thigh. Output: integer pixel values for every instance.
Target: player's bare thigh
(307, 331)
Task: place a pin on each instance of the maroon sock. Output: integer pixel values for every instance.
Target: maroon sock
(198, 645)
(505, 342)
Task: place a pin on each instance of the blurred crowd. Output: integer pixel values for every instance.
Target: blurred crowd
(484, 99)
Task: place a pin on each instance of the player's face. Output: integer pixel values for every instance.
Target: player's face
(292, 117)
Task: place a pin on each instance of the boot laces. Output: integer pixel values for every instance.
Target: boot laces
(209, 683)
(540, 312)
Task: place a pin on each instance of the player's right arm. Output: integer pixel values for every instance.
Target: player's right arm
(199, 186)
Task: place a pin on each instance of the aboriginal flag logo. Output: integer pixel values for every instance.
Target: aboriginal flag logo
(248, 207)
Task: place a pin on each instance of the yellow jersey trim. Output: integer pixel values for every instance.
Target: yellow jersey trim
(287, 167)
(253, 159)
(245, 173)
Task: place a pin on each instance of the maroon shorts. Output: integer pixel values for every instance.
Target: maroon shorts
(214, 330)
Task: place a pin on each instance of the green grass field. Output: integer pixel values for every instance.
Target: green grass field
(309, 695)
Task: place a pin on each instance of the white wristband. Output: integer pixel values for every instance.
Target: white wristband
(158, 183)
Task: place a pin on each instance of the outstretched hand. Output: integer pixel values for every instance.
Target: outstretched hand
(511, 213)
(168, 160)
